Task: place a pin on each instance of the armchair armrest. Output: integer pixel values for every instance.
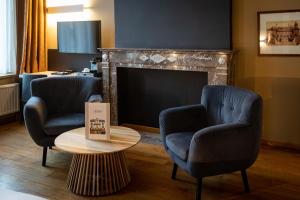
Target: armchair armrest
(35, 115)
(185, 118)
(95, 98)
(221, 143)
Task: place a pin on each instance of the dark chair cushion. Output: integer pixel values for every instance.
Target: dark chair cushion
(179, 143)
(57, 124)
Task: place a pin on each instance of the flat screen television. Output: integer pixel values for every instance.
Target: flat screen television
(79, 36)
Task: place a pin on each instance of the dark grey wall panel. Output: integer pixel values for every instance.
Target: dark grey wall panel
(192, 24)
(63, 61)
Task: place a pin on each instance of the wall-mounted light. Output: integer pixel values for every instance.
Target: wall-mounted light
(65, 9)
(65, 6)
(61, 3)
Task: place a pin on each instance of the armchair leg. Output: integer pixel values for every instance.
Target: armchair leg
(199, 189)
(44, 156)
(175, 167)
(245, 181)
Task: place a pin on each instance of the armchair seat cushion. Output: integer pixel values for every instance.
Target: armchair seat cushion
(59, 123)
(179, 143)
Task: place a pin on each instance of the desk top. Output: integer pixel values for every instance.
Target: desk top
(49, 74)
(74, 141)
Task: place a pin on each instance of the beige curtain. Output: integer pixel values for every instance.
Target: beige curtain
(34, 54)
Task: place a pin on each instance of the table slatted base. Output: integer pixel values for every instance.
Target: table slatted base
(98, 174)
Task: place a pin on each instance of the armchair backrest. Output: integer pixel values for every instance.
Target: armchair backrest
(65, 94)
(227, 104)
(26, 80)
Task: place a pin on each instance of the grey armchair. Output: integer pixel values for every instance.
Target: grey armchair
(220, 135)
(56, 106)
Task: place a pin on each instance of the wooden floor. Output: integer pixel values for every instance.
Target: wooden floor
(274, 176)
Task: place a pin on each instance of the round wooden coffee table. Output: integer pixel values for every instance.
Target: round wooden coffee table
(98, 167)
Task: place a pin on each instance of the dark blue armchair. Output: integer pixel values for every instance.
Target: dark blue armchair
(57, 105)
(220, 135)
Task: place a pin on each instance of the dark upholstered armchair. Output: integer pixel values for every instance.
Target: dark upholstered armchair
(56, 106)
(220, 135)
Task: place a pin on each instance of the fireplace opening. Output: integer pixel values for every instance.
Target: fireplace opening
(143, 93)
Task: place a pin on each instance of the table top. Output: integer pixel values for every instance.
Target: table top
(74, 141)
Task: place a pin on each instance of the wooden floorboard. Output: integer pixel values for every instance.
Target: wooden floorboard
(274, 176)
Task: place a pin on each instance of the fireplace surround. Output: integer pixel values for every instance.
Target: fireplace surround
(218, 64)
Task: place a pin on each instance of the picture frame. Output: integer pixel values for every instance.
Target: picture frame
(278, 33)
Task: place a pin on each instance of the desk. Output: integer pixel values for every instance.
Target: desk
(49, 74)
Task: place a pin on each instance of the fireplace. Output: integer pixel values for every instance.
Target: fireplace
(143, 93)
(129, 76)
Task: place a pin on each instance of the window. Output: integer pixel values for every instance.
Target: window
(8, 38)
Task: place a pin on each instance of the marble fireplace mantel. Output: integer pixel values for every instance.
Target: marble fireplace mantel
(217, 63)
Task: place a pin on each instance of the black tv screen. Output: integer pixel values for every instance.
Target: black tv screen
(79, 36)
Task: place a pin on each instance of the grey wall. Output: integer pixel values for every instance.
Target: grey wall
(190, 24)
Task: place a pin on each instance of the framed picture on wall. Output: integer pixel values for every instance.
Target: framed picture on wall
(279, 33)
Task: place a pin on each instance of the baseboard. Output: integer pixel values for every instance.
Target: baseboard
(142, 128)
(281, 145)
(10, 118)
